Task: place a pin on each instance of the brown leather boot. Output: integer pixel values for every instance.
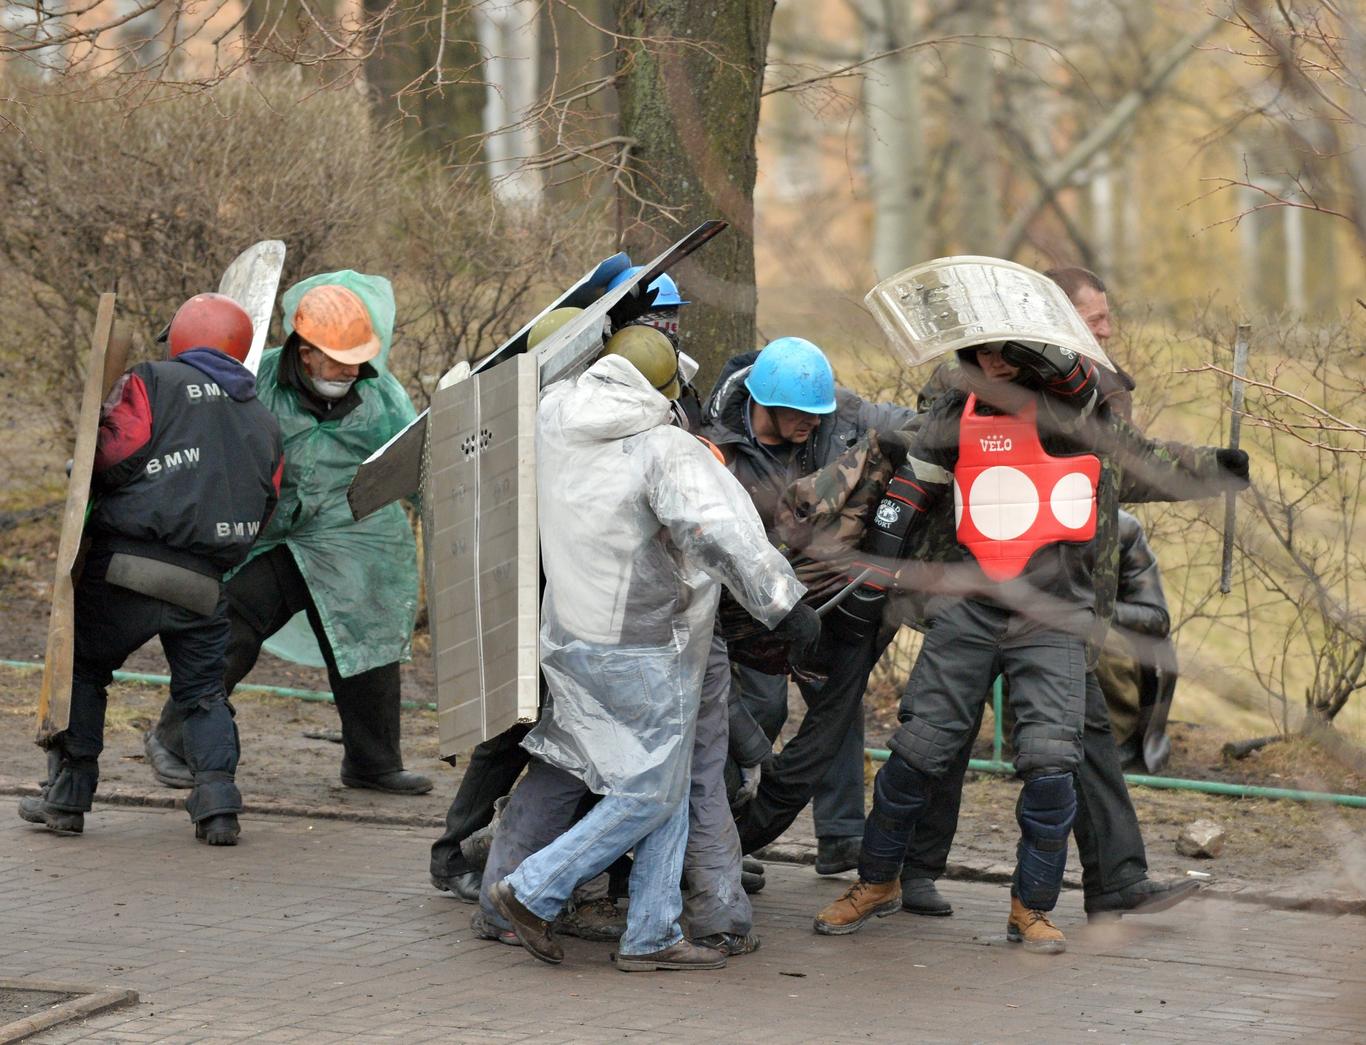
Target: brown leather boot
(684, 956)
(861, 901)
(532, 930)
(1034, 930)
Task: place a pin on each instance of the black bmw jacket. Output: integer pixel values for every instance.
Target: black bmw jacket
(187, 465)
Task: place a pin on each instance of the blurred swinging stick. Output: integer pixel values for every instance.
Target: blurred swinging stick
(1235, 426)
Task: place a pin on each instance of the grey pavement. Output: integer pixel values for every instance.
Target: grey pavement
(319, 930)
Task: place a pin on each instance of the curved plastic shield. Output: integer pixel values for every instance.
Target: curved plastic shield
(252, 281)
(951, 303)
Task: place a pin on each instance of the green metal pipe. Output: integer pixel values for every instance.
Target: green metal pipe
(314, 696)
(1169, 783)
(997, 726)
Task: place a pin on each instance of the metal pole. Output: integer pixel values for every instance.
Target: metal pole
(1208, 787)
(1235, 426)
(843, 593)
(998, 727)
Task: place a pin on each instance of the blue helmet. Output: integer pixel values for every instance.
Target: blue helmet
(794, 373)
(668, 289)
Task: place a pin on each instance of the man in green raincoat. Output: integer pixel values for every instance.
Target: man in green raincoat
(355, 580)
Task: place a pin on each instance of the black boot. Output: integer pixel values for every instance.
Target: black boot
(919, 896)
(59, 821)
(169, 768)
(67, 795)
(1145, 896)
(222, 829)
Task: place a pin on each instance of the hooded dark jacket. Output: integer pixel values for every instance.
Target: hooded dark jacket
(187, 464)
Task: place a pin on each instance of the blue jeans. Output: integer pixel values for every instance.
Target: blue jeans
(659, 835)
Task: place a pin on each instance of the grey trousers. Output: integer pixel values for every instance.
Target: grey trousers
(543, 804)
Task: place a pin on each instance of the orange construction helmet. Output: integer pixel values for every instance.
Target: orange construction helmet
(210, 321)
(335, 321)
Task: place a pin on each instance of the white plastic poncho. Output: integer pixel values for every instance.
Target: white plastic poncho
(639, 523)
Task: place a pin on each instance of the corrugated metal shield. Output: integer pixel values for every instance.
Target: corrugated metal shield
(482, 552)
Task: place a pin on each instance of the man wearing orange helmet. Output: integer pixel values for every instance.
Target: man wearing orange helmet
(187, 471)
(356, 580)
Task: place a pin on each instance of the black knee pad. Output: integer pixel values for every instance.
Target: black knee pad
(925, 747)
(900, 793)
(1043, 750)
(1046, 808)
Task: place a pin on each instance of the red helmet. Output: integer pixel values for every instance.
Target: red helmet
(211, 321)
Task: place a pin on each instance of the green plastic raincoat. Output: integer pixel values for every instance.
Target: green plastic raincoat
(362, 575)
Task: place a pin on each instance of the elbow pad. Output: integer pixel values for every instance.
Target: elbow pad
(902, 505)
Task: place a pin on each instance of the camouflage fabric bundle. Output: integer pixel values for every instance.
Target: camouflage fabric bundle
(819, 523)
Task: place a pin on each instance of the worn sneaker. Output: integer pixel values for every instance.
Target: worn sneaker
(1034, 930)
(59, 821)
(861, 901)
(599, 920)
(732, 944)
(684, 956)
(834, 855)
(485, 929)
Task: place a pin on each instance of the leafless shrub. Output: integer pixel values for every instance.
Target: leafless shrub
(155, 205)
(470, 273)
(1292, 633)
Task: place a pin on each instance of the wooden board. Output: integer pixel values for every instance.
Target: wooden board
(106, 364)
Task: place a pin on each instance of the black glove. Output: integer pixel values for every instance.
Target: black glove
(1233, 473)
(895, 446)
(1057, 370)
(801, 630)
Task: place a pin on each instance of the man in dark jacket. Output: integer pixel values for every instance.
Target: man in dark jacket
(1138, 668)
(776, 416)
(187, 471)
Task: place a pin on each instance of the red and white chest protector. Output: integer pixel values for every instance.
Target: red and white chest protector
(1011, 497)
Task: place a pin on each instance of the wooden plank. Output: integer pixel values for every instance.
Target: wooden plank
(54, 698)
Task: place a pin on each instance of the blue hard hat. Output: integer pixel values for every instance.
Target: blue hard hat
(794, 373)
(668, 289)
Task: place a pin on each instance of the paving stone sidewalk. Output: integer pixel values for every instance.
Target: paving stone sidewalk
(322, 931)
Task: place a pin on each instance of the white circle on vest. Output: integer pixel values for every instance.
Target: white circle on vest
(1071, 500)
(957, 504)
(1003, 503)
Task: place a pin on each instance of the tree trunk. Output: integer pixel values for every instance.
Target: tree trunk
(693, 112)
(436, 101)
(507, 35)
(898, 173)
(978, 183)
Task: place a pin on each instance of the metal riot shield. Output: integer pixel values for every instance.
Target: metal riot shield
(394, 470)
(482, 553)
(961, 302)
(108, 357)
(252, 281)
